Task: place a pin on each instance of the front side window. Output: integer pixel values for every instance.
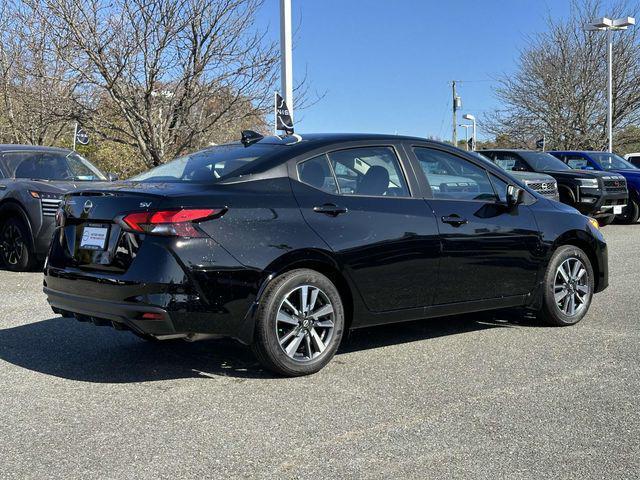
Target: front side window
(611, 161)
(452, 177)
(510, 162)
(40, 165)
(369, 171)
(542, 161)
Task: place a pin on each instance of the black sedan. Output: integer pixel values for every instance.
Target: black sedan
(284, 243)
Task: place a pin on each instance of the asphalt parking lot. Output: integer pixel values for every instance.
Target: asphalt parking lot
(474, 397)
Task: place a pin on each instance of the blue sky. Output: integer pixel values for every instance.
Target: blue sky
(385, 65)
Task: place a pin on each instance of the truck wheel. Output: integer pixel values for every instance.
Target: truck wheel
(606, 220)
(15, 248)
(299, 323)
(630, 213)
(568, 287)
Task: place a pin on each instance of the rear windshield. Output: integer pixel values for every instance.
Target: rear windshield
(40, 165)
(611, 161)
(541, 161)
(209, 165)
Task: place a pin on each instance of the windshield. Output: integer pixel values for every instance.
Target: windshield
(43, 165)
(541, 161)
(611, 161)
(207, 165)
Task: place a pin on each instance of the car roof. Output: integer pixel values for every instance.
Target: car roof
(318, 140)
(510, 150)
(7, 147)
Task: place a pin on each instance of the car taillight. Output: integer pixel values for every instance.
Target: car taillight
(178, 223)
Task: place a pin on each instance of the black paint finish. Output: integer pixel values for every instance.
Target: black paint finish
(392, 259)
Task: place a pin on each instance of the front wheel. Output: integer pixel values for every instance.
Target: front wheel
(299, 323)
(607, 220)
(15, 250)
(630, 213)
(568, 287)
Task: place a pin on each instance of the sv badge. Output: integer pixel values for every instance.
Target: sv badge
(145, 204)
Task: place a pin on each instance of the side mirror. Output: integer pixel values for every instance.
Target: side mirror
(112, 177)
(514, 195)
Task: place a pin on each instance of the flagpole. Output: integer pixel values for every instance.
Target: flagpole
(75, 135)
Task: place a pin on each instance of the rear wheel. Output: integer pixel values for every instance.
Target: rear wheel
(568, 287)
(630, 213)
(15, 248)
(299, 323)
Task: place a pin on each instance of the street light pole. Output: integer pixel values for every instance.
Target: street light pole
(286, 63)
(610, 26)
(466, 127)
(468, 116)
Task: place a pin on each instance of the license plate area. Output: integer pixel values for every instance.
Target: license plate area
(94, 237)
(617, 209)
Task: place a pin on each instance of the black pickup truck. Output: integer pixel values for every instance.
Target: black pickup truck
(601, 195)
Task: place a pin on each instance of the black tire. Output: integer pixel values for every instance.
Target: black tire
(630, 213)
(268, 331)
(550, 312)
(16, 253)
(607, 220)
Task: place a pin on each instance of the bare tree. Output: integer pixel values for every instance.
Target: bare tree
(36, 87)
(164, 76)
(559, 90)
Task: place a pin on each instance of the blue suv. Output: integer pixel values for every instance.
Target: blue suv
(609, 162)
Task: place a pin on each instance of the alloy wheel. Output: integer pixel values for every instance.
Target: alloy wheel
(305, 323)
(12, 244)
(571, 288)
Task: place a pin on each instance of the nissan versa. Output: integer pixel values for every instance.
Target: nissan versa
(285, 243)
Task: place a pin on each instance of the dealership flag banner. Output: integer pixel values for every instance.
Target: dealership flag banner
(284, 122)
(540, 143)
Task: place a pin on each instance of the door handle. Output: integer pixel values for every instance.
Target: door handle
(454, 220)
(3, 187)
(330, 209)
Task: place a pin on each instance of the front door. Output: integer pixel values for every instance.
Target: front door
(359, 202)
(488, 250)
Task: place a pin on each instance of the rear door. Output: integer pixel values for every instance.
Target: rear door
(362, 201)
(488, 251)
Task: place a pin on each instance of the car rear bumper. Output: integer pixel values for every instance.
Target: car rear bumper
(183, 293)
(120, 315)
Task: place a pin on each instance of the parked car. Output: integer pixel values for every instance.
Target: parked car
(609, 162)
(260, 241)
(32, 181)
(597, 194)
(542, 183)
(633, 159)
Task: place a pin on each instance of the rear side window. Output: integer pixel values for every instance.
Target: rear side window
(452, 177)
(369, 171)
(317, 173)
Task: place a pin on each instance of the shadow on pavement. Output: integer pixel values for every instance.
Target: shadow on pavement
(69, 349)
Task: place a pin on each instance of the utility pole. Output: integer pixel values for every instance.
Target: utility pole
(457, 105)
(286, 64)
(454, 138)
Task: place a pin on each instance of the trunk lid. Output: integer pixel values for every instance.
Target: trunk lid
(93, 236)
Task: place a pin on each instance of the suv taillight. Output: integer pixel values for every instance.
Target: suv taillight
(177, 223)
